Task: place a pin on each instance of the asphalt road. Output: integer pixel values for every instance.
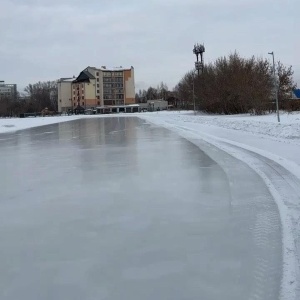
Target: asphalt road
(115, 208)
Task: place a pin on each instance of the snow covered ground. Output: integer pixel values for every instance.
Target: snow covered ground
(269, 148)
(13, 124)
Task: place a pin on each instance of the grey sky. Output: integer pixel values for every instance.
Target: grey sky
(48, 39)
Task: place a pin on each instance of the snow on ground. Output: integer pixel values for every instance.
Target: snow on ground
(272, 149)
(289, 126)
(13, 124)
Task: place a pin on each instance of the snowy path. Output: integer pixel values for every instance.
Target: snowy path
(116, 208)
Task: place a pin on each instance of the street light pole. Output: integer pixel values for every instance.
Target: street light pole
(194, 100)
(275, 86)
(197, 50)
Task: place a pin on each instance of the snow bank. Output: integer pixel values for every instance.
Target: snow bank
(288, 128)
(14, 124)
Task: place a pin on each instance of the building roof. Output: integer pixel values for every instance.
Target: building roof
(66, 79)
(104, 68)
(2, 83)
(84, 76)
(297, 93)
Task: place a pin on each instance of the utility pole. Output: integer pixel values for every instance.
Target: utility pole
(198, 49)
(194, 99)
(275, 86)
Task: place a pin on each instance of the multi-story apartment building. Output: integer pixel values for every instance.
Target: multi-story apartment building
(84, 91)
(8, 90)
(96, 87)
(64, 94)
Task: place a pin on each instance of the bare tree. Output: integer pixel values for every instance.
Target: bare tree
(162, 91)
(11, 105)
(286, 83)
(4, 106)
(230, 85)
(151, 93)
(42, 95)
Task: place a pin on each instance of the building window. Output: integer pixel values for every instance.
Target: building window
(74, 98)
(98, 97)
(97, 84)
(97, 79)
(83, 103)
(108, 102)
(98, 102)
(82, 97)
(97, 73)
(97, 91)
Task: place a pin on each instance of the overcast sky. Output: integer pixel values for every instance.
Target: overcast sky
(45, 40)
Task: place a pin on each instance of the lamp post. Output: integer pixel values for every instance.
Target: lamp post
(194, 99)
(275, 86)
(198, 49)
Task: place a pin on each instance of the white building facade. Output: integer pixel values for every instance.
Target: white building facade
(64, 94)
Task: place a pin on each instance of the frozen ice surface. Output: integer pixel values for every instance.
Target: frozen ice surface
(113, 208)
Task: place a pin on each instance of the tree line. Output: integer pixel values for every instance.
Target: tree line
(35, 98)
(152, 93)
(234, 84)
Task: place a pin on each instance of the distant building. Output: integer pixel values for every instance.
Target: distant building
(64, 94)
(296, 94)
(96, 87)
(8, 90)
(154, 105)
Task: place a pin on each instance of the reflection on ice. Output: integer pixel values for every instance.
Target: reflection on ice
(113, 208)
